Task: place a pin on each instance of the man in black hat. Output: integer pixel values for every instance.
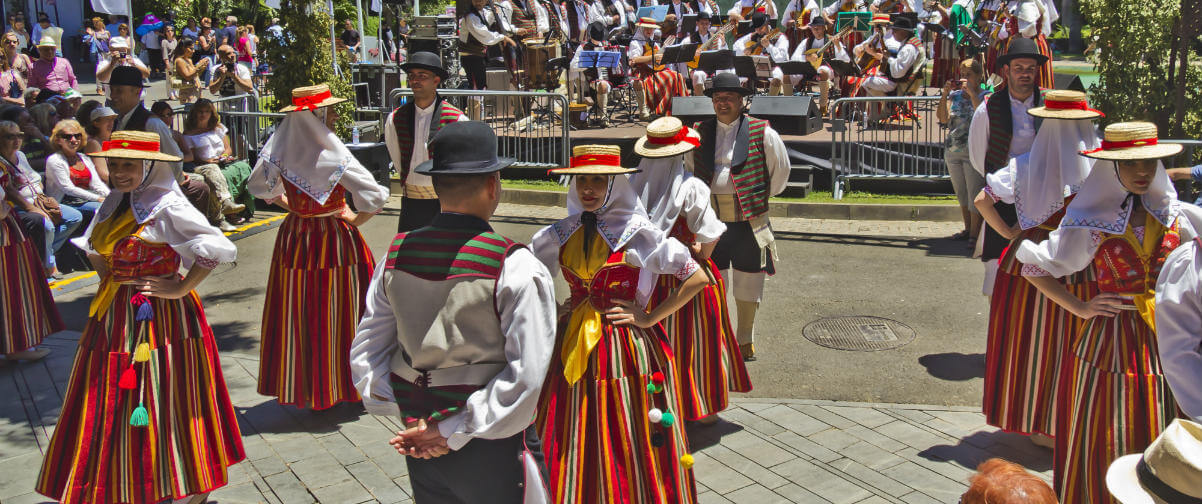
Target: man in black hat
(408, 129)
(902, 57)
(702, 36)
(744, 162)
(464, 375)
(1001, 129)
(758, 43)
(581, 78)
(824, 50)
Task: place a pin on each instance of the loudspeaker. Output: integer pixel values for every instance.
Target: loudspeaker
(690, 109)
(1068, 81)
(788, 115)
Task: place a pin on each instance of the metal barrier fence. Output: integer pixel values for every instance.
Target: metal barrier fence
(1187, 190)
(531, 127)
(886, 137)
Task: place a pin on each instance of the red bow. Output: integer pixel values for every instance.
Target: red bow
(1070, 105)
(147, 146)
(596, 159)
(681, 136)
(1122, 144)
(310, 102)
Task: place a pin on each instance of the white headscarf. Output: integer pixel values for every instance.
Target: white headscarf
(658, 187)
(307, 154)
(1053, 169)
(617, 220)
(1101, 204)
(157, 191)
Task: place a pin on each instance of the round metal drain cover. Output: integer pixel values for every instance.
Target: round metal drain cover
(860, 333)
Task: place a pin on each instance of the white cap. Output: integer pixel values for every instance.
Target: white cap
(103, 112)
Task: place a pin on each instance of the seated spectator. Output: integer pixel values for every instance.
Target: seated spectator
(71, 176)
(186, 72)
(12, 79)
(69, 104)
(208, 143)
(31, 96)
(39, 214)
(35, 143)
(118, 56)
(230, 78)
(1002, 482)
(99, 128)
(50, 71)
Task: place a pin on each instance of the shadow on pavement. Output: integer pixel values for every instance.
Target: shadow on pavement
(981, 446)
(232, 296)
(940, 247)
(270, 417)
(234, 335)
(705, 436)
(954, 366)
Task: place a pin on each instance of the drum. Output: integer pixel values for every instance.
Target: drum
(578, 115)
(538, 76)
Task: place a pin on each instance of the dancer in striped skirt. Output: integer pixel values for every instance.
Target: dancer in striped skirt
(703, 342)
(609, 415)
(321, 265)
(1125, 220)
(27, 310)
(1027, 331)
(146, 416)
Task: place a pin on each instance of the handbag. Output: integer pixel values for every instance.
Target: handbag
(49, 207)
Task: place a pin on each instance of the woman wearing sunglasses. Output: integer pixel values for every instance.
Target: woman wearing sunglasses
(71, 176)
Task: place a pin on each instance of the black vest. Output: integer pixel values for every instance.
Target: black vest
(137, 121)
(997, 155)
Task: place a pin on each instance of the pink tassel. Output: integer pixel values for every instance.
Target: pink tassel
(138, 299)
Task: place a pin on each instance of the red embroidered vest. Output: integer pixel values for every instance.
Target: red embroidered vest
(305, 206)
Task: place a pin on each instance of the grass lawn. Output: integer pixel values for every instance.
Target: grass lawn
(853, 197)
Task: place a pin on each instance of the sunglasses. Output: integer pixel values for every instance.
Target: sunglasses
(10, 137)
(72, 136)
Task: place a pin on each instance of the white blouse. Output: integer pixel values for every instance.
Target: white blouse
(58, 179)
(1179, 326)
(207, 145)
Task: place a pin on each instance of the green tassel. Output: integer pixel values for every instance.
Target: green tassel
(142, 353)
(668, 419)
(140, 418)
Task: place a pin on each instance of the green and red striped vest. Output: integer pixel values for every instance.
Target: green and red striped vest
(438, 253)
(523, 19)
(917, 43)
(748, 167)
(403, 122)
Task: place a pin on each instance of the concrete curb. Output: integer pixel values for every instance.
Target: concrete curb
(835, 211)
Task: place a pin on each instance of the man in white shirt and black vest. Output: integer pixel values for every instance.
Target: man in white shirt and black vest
(407, 131)
(464, 374)
(744, 162)
(1001, 129)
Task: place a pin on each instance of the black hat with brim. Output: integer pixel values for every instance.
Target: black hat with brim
(758, 19)
(126, 76)
(463, 148)
(425, 60)
(727, 82)
(1021, 47)
(904, 21)
(598, 31)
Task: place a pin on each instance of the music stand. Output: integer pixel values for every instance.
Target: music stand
(688, 24)
(802, 68)
(712, 61)
(656, 12)
(600, 59)
(743, 28)
(679, 53)
(857, 19)
(843, 68)
(745, 68)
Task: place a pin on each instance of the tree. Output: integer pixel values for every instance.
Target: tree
(1146, 71)
(302, 56)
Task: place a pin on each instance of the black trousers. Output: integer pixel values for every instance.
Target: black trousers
(417, 213)
(473, 66)
(484, 470)
(738, 249)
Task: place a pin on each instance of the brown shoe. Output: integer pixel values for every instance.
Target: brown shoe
(748, 351)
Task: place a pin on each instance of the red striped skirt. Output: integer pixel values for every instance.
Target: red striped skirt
(947, 60)
(707, 356)
(597, 438)
(192, 438)
(315, 296)
(1115, 401)
(660, 88)
(27, 309)
(1026, 341)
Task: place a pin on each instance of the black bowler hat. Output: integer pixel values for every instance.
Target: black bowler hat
(126, 76)
(727, 82)
(597, 31)
(904, 21)
(818, 21)
(463, 148)
(758, 19)
(1021, 47)
(425, 60)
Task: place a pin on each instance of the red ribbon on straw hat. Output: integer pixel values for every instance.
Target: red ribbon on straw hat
(681, 136)
(1122, 144)
(131, 145)
(1070, 105)
(310, 102)
(596, 159)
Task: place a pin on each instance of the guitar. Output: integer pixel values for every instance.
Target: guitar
(755, 48)
(866, 60)
(712, 43)
(646, 69)
(815, 55)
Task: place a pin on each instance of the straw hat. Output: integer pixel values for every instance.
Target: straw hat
(1168, 471)
(880, 19)
(127, 144)
(667, 137)
(594, 160)
(47, 41)
(648, 23)
(312, 97)
(1128, 141)
(1065, 104)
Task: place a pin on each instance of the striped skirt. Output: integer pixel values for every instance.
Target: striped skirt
(191, 437)
(660, 88)
(27, 309)
(1026, 341)
(599, 444)
(708, 361)
(1115, 401)
(947, 60)
(315, 296)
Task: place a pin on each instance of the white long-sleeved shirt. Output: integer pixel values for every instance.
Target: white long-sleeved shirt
(421, 135)
(799, 6)
(778, 50)
(58, 179)
(901, 55)
(1179, 326)
(800, 53)
(775, 155)
(477, 27)
(833, 8)
(506, 405)
(1022, 131)
(737, 8)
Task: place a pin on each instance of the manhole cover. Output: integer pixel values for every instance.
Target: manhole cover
(863, 334)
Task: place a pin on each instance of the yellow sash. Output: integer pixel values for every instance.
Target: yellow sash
(1145, 302)
(105, 236)
(584, 329)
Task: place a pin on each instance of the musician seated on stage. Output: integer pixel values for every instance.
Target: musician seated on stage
(591, 78)
(705, 32)
(743, 9)
(897, 60)
(656, 84)
(795, 11)
(763, 41)
(818, 49)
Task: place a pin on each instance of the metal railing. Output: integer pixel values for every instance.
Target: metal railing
(1187, 190)
(886, 137)
(531, 127)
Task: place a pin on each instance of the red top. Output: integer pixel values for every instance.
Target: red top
(134, 257)
(615, 280)
(1122, 270)
(306, 206)
(80, 175)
